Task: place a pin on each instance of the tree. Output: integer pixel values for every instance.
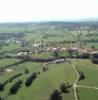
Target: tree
(45, 69)
(26, 71)
(63, 88)
(94, 58)
(1, 98)
(38, 72)
(93, 47)
(55, 54)
(1, 87)
(85, 55)
(31, 79)
(55, 95)
(70, 53)
(15, 87)
(81, 75)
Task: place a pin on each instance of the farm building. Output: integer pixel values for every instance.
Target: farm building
(22, 54)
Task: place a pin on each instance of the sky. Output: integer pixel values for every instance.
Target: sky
(47, 10)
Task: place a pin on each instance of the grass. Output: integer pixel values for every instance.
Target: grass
(89, 45)
(43, 55)
(10, 47)
(88, 94)
(46, 82)
(57, 74)
(7, 61)
(90, 70)
(31, 66)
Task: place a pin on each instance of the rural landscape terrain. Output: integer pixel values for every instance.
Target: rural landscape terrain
(49, 61)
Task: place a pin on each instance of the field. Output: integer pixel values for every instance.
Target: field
(87, 89)
(56, 75)
(88, 94)
(24, 50)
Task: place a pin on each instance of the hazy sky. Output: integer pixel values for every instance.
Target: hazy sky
(42, 10)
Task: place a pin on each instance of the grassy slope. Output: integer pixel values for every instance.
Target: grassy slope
(44, 85)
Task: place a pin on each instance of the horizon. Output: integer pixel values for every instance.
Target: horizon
(47, 10)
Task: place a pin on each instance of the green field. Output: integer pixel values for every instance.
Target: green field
(44, 85)
(88, 94)
(91, 72)
(7, 61)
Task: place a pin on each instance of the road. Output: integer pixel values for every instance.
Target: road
(75, 82)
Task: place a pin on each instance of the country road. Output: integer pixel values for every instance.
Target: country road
(75, 86)
(89, 87)
(76, 81)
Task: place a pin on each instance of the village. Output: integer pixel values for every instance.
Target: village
(40, 47)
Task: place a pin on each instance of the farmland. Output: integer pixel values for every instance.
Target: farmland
(37, 58)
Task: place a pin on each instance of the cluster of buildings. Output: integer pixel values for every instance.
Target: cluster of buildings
(73, 48)
(17, 41)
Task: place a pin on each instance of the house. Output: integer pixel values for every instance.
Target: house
(73, 49)
(36, 45)
(22, 54)
(63, 49)
(52, 49)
